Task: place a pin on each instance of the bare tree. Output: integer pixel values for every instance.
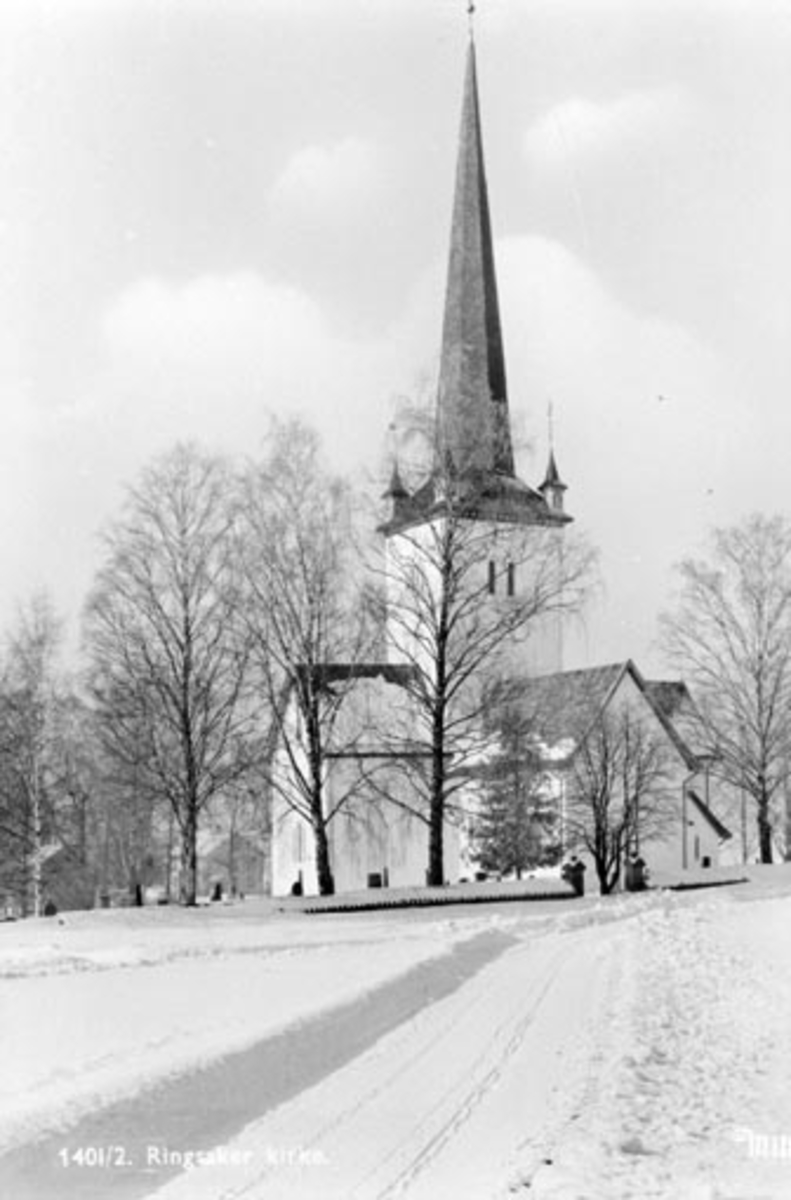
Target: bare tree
(169, 672)
(73, 774)
(730, 636)
(31, 693)
(618, 792)
(302, 612)
(443, 621)
(132, 808)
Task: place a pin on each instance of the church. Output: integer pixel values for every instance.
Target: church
(508, 537)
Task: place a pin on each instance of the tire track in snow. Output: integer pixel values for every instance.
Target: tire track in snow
(199, 1110)
(463, 1107)
(470, 1093)
(502, 1043)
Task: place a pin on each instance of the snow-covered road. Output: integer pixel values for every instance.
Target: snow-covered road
(638, 1047)
(467, 1097)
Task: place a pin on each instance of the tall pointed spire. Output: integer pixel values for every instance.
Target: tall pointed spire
(473, 467)
(472, 408)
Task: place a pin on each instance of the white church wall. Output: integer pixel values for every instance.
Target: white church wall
(370, 837)
(502, 560)
(293, 850)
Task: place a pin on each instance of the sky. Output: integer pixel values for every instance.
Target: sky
(212, 211)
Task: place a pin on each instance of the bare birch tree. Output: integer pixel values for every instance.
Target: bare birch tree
(443, 621)
(730, 636)
(169, 674)
(301, 610)
(30, 695)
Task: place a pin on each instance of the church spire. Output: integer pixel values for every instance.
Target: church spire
(473, 431)
(473, 461)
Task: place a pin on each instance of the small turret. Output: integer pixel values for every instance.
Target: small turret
(396, 493)
(553, 487)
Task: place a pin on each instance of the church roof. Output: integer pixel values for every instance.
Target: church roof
(565, 706)
(327, 674)
(395, 488)
(473, 455)
(552, 478)
(472, 406)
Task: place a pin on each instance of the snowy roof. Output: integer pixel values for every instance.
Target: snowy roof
(565, 706)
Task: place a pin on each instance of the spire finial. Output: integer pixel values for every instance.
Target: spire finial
(551, 424)
(470, 15)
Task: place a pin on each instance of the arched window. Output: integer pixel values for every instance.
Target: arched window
(492, 578)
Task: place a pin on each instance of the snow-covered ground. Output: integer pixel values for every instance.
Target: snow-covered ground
(633, 1047)
(96, 1005)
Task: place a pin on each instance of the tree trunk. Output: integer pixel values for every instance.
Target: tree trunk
(323, 868)
(37, 840)
(324, 878)
(436, 867)
(614, 878)
(232, 857)
(435, 876)
(188, 883)
(764, 830)
(169, 860)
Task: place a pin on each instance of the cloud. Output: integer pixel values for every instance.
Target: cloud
(652, 433)
(581, 129)
(209, 323)
(205, 359)
(209, 358)
(332, 182)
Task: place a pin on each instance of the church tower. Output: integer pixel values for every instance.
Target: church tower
(473, 476)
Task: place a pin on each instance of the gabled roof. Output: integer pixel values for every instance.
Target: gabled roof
(566, 705)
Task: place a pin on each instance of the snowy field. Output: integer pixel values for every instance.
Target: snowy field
(630, 1047)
